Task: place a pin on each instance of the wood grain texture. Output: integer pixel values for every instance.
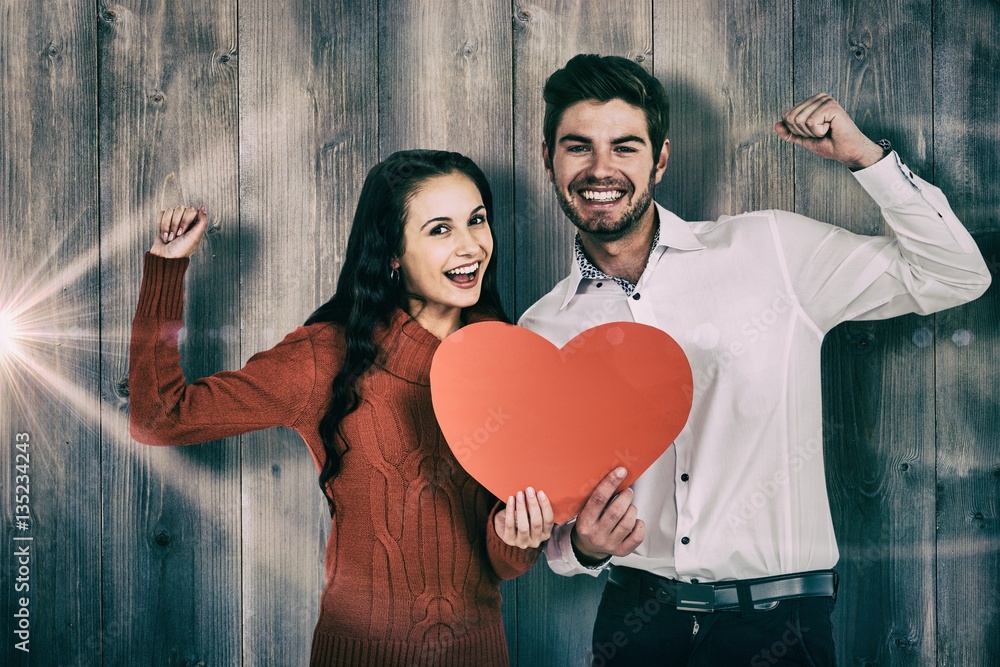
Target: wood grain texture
(212, 554)
(878, 378)
(727, 69)
(445, 83)
(308, 78)
(171, 542)
(966, 99)
(968, 476)
(49, 287)
(555, 614)
(546, 35)
(966, 141)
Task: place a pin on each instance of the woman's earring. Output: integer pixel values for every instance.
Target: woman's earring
(394, 275)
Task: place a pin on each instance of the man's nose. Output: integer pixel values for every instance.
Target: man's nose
(601, 166)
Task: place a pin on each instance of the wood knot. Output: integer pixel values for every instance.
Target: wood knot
(862, 341)
(157, 98)
(163, 538)
(522, 16)
(109, 16)
(122, 387)
(904, 466)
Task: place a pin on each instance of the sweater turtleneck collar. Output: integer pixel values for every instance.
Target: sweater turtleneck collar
(406, 348)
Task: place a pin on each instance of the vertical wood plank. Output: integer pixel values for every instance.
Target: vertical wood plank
(966, 141)
(878, 378)
(968, 470)
(168, 109)
(727, 69)
(49, 362)
(555, 614)
(308, 90)
(546, 35)
(446, 84)
(966, 99)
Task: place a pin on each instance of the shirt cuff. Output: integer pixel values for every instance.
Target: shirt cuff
(162, 291)
(889, 182)
(561, 556)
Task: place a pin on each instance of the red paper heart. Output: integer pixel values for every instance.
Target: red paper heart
(517, 411)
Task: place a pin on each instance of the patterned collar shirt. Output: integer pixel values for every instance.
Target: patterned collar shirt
(591, 272)
(742, 491)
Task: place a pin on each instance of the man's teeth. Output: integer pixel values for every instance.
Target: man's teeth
(603, 195)
(472, 268)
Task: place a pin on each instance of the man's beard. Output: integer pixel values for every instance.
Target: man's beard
(602, 225)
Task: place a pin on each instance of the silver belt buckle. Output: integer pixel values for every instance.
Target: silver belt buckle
(695, 597)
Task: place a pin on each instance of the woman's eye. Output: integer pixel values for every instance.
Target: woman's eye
(477, 220)
(440, 229)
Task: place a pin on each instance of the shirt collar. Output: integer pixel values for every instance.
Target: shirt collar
(671, 232)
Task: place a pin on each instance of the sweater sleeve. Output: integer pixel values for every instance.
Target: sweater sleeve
(507, 561)
(270, 390)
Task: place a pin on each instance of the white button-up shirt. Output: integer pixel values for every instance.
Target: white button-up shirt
(742, 491)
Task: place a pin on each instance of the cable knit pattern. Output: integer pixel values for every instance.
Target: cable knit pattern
(413, 563)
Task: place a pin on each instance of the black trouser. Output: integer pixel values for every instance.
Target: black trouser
(635, 631)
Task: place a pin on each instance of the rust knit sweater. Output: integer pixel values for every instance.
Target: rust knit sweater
(413, 563)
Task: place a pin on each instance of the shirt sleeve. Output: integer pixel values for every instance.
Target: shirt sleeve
(562, 558)
(507, 561)
(931, 264)
(270, 390)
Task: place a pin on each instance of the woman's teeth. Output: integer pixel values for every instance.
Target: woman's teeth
(463, 274)
(472, 268)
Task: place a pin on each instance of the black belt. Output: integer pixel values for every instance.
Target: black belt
(742, 594)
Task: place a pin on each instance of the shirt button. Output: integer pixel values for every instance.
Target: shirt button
(685, 540)
(685, 477)
(636, 296)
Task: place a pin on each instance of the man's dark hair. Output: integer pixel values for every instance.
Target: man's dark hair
(606, 78)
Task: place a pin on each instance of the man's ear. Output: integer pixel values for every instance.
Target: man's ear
(661, 163)
(547, 161)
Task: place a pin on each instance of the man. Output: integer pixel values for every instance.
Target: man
(724, 548)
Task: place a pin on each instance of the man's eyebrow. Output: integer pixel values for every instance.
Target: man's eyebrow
(629, 138)
(580, 139)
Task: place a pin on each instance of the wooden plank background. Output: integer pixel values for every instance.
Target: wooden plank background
(271, 117)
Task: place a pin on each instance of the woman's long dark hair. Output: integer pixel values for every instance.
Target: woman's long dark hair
(367, 294)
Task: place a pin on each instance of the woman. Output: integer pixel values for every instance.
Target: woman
(417, 548)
